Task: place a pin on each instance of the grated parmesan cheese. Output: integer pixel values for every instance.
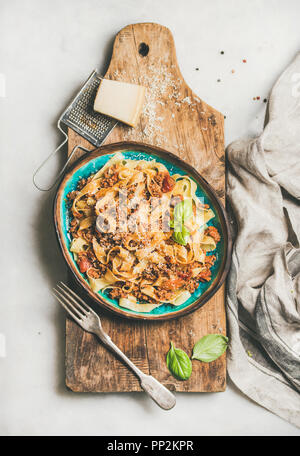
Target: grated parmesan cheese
(160, 84)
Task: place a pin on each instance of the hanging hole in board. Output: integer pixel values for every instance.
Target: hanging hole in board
(143, 49)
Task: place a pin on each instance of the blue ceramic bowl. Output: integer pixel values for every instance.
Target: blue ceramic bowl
(92, 163)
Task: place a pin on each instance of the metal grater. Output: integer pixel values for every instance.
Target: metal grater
(81, 117)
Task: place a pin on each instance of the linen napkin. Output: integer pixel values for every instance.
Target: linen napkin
(263, 286)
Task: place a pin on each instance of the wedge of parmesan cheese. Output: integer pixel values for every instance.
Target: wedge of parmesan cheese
(120, 100)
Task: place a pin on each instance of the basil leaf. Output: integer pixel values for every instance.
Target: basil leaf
(179, 364)
(181, 237)
(185, 231)
(177, 226)
(183, 210)
(187, 209)
(178, 211)
(210, 347)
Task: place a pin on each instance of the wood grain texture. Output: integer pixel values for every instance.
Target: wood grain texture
(176, 119)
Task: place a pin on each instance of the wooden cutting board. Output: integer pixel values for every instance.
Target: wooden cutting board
(176, 119)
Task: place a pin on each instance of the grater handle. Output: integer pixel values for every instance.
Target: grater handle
(50, 156)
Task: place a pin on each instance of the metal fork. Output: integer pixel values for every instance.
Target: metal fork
(90, 321)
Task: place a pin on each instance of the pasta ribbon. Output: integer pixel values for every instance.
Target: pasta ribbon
(124, 240)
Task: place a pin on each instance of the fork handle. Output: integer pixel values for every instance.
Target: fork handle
(159, 393)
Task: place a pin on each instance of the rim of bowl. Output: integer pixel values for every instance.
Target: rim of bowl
(201, 181)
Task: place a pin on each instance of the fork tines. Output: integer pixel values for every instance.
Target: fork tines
(72, 303)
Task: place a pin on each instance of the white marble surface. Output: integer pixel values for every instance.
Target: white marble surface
(47, 48)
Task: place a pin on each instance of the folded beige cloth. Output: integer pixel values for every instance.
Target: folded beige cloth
(263, 296)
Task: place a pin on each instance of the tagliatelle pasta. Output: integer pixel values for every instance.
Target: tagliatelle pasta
(141, 234)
